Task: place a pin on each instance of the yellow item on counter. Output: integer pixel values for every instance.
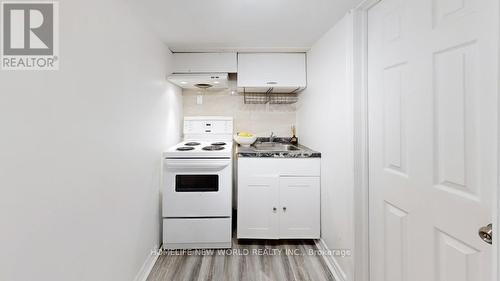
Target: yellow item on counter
(245, 134)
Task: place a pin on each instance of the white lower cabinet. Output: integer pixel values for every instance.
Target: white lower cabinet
(278, 198)
(258, 202)
(300, 207)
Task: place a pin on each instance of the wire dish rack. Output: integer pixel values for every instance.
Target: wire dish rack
(283, 98)
(256, 98)
(270, 97)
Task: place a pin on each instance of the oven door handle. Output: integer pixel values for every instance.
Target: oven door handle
(196, 164)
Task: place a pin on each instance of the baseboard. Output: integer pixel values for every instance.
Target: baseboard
(331, 262)
(147, 266)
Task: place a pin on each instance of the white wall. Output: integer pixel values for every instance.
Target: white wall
(325, 123)
(80, 151)
(259, 119)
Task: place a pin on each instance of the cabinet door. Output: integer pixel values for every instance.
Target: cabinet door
(258, 207)
(299, 207)
(272, 70)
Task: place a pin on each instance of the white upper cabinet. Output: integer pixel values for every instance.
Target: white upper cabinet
(205, 62)
(272, 70)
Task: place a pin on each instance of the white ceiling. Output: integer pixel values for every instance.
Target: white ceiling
(241, 25)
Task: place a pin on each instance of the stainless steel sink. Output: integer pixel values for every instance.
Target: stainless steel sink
(274, 147)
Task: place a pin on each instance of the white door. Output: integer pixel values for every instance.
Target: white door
(258, 202)
(432, 87)
(299, 207)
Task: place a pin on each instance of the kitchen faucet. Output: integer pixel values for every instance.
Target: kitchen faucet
(271, 137)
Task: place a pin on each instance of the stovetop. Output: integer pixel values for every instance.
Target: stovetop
(200, 149)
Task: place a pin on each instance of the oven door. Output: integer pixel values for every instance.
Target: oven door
(197, 188)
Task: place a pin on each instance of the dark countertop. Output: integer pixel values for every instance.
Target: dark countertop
(304, 152)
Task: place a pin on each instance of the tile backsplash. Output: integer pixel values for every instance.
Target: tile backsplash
(259, 119)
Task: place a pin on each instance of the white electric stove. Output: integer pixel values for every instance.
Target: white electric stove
(197, 186)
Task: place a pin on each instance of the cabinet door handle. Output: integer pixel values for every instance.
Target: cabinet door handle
(284, 209)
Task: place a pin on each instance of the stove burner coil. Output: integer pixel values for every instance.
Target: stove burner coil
(185, 148)
(192, 143)
(213, 147)
(218, 143)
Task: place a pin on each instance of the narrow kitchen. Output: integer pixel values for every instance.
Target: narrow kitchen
(249, 140)
(226, 186)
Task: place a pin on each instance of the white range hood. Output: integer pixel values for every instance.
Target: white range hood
(200, 80)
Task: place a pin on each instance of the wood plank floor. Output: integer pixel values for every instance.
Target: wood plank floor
(246, 264)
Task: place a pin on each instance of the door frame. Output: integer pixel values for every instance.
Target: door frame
(496, 206)
(359, 87)
(359, 82)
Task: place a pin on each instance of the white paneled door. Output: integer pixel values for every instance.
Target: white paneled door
(432, 89)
